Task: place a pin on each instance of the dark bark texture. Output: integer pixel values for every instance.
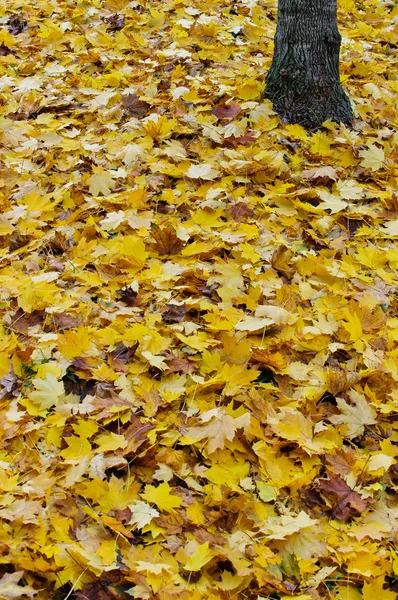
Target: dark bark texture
(303, 82)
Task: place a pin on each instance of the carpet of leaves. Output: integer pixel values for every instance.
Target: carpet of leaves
(198, 350)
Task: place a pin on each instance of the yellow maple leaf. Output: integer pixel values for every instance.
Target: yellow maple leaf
(231, 279)
(5, 226)
(363, 563)
(199, 341)
(229, 473)
(354, 416)
(202, 171)
(162, 497)
(250, 90)
(38, 296)
(229, 581)
(38, 204)
(373, 158)
(331, 202)
(279, 315)
(142, 514)
(133, 251)
(155, 568)
(211, 361)
(85, 428)
(155, 361)
(297, 131)
(77, 448)
(208, 218)
(48, 391)
(354, 326)
(236, 377)
(273, 360)
(278, 528)
(199, 558)
(253, 324)
(101, 182)
(291, 425)
(195, 513)
(110, 441)
(220, 427)
(7, 39)
(249, 253)
(349, 189)
(320, 144)
(72, 344)
(267, 493)
(347, 592)
(159, 127)
(379, 461)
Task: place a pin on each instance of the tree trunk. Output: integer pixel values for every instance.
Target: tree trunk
(304, 80)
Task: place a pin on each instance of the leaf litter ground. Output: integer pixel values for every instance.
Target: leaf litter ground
(198, 355)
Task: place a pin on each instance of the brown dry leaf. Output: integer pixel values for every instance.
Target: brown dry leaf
(65, 321)
(129, 296)
(313, 241)
(243, 140)
(373, 320)
(137, 432)
(136, 108)
(344, 502)
(25, 510)
(240, 212)
(16, 24)
(341, 462)
(166, 241)
(106, 588)
(174, 313)
(227, 111)
(180, 365)
(21, 322)
(59, 243)
(115, 22)
(4, 51)
(8, 385)
(121, 355)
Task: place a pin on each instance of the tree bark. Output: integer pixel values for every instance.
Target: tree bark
(303, 82)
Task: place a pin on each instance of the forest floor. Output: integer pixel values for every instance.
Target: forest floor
(198, 350)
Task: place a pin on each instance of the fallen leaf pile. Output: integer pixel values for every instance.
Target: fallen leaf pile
(198, 350)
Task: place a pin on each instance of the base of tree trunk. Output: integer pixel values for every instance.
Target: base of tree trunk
(304, 81)
(306, 103)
